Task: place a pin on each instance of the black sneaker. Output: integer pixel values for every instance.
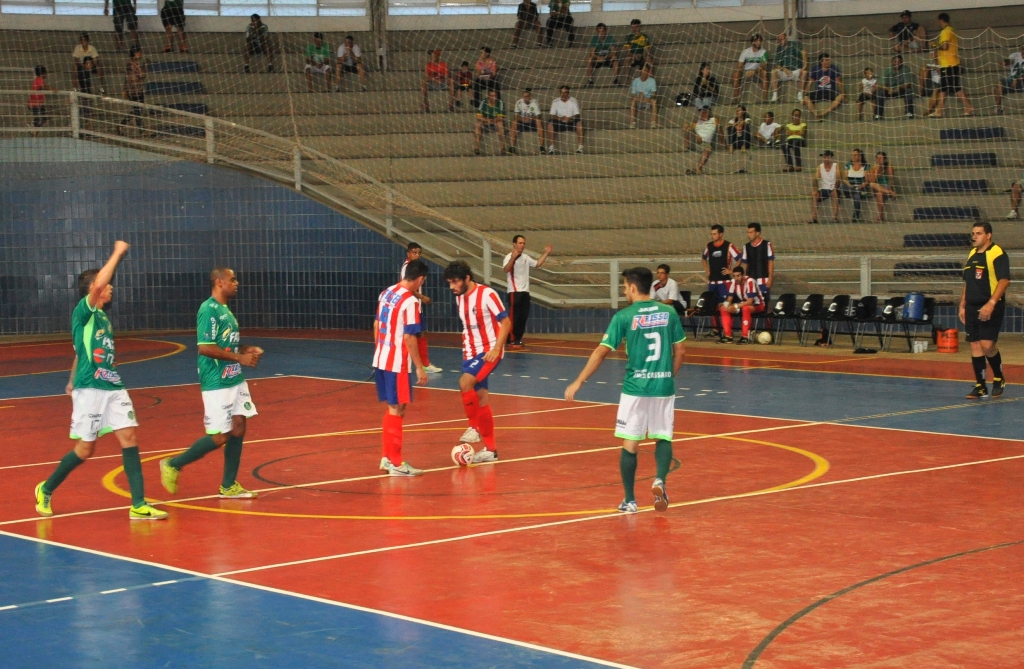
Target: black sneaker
(724, 340)
(743, 340)
(511, 149)
(997, 387)
(979, 392)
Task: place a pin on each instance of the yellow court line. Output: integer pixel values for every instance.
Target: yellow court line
(179, 348)
(821, 466)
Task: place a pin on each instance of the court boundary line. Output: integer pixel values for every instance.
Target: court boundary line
(322, 600)
(179, 349)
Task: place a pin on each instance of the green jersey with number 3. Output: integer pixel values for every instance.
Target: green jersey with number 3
(215, 324)
(650, 330)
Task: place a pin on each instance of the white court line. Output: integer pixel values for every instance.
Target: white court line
(557, 523)
(321, 600)
(110, 592)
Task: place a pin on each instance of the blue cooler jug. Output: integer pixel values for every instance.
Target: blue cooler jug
(913, 307)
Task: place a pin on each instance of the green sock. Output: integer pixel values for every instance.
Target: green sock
(66, 465)
(194, 452)
(663, 456)
(232, 459)
(133, 470)
(627, 467)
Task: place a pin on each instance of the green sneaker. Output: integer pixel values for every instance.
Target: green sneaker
(169, 476)
(43, 502)
(236, 492)
(146, 512)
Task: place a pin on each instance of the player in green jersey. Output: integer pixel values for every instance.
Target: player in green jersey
(654, 349)
(100, 402)
(226, 396)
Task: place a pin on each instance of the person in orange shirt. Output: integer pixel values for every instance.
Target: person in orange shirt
(37, 101)
(437, 78)
(947, 53)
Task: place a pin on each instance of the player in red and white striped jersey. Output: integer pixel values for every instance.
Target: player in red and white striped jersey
(394, 331)
(413, 251)
(744, 298)
(485, 328)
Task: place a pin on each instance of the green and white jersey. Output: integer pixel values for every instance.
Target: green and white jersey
(215, 324)
(94, 348)
(650, 329)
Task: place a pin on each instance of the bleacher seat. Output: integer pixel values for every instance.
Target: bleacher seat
(955, 134)
(964, 160)
(172, 67)
(946, 213)
(937, 240)
(947, 186)
(174, 88)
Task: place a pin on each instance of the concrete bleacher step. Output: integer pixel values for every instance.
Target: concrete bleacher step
(174, 88)
(937, 240)
(972, 133)
(980, 159)
(947, 212)
(172, 67)
(952, 186)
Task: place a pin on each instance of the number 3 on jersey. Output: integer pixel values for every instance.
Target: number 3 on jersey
(654, 347)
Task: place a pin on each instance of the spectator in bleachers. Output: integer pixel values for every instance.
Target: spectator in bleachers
(738, 130)
(258, 41)
(463, 81)
(1015, 191)
(527, 119)
(602, 54)
(826, 180)
(907, 35)
(37, 101)
(768, 132)
(882, 181)
(666, 290)
(752, 66)
(826, 85)
(897, 82)
(759, 260)
(527, 17)
(790, 65)
(134, 89)
(318, 61)
(796, 140)
(173, 16)
(560, 19)
(490, 117)
(87, 64)
(855, 182)
(868, 93)
(636, 52)
(565, 116)
(705, 88)
(124, 14)
(744, 298)
(350, 61)
(437, 78)
(706, 130)
(947, 53)
(1013, 82)
(485, 75)
(643, 94)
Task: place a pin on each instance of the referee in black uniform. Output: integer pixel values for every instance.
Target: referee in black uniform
(986, 277)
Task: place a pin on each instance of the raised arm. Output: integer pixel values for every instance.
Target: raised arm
(106, 274)
(544, 256)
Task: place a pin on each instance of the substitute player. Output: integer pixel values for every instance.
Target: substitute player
(485, 328)
(413, 252)
(394, 331)
(744, 298)
(100, 403)
(982, 306)
(226, 400)
(654, 349)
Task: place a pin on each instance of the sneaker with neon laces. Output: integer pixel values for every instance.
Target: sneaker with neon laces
(146, 512)
(42, 501)
(660, 496)
(628, 507)
(169, 476)
(405, 469)
(432, 369)
(997, 387)
(385, 465)
(470, 436)
(236, 492)
(484, 455)
(980, 392)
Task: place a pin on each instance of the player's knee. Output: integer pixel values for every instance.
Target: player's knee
(84, 449)
(238, 426)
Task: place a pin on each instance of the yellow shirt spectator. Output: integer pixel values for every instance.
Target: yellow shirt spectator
(948, 57)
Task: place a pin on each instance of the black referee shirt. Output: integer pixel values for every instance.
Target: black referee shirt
(527, 12)
(982, 272)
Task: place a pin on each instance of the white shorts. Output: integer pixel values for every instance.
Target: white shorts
(794, 75)
(318, 69)
(220, 405)
(97, 412)
(645, 417)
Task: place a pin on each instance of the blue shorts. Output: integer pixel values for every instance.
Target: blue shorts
(721, 288)
(479, 369)
(393, 387)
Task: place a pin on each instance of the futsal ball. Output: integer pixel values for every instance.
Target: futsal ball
(462, 455)
(764, 337)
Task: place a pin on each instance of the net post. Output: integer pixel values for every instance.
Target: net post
(76, 129)
(486, 255)
(865, 275)
(389, 214)
(210, 147)
(613, 280)
(297, 165)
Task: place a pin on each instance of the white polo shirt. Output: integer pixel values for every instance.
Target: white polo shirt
(665, 291)
(560, 108)
(519, 278)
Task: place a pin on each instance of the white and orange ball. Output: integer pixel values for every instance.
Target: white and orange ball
(462, 455)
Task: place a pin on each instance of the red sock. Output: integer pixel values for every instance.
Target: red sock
(421, 342)
(385, 437)
(472, 405)
(485, 419)
(395, 430)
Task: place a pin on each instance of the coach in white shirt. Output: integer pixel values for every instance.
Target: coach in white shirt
(517, 267)
(565, 116)
(666, 290)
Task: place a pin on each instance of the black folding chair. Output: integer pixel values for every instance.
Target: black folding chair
(706, 307)
(887, 321)
(838, 314)
(864, 312)
(783, 312)
(811, 310)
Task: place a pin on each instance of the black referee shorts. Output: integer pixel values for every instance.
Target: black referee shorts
(979, 330)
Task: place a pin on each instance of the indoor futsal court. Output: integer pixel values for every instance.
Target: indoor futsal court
(827, 511)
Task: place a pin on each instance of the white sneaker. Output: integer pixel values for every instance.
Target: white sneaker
(470, 436)
(775, 97)
(632, 126)
(385, 465)
(432, 369)
(800, 96)
(551, 149)
(405, 469)
(484, 455)
(1012, 215)
(579, 149)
